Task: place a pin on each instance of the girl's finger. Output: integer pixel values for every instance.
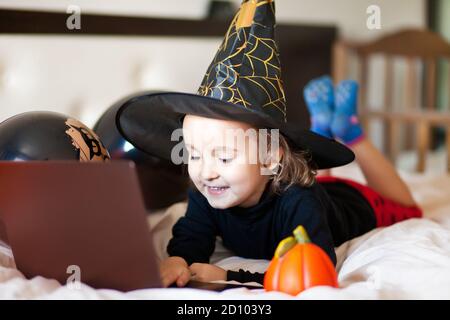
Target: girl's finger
(183, 278)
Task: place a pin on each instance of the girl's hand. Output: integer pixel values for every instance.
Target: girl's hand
(174, 269)
(207, 272)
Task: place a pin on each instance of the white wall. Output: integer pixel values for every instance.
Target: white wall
(349, 15)
(82, 76)
(194, 9)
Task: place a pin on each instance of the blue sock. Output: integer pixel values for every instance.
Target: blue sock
(345, 125)
(319, 98)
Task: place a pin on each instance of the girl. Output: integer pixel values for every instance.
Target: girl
(234, 197)
(252, 213)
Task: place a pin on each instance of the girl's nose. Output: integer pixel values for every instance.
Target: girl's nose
(208, 172)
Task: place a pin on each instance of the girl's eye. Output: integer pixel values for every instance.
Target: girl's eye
(223, 160)
(193, 158)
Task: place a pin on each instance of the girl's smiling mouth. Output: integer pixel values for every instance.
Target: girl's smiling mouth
(216, 190)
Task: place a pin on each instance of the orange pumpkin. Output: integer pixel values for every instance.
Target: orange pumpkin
(298, 265)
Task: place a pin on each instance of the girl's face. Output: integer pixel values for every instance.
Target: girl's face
(224, 171)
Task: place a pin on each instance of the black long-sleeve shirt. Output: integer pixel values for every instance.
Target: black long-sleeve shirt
(252, 232)
(255, 232)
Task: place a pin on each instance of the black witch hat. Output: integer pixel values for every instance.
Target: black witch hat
(243, 83)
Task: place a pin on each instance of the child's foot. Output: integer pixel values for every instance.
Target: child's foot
(319, 98)
(345, 125)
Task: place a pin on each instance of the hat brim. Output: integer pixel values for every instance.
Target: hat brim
(148, 120)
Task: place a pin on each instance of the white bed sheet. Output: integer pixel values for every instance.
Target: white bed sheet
(409, 260)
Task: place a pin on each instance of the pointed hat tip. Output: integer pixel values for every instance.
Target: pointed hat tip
(247, 12)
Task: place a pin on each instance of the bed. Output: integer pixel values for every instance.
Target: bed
(408, 260)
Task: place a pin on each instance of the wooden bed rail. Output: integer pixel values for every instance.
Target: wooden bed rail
(417, 113)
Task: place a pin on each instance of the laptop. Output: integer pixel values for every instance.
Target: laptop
(68, 220)
(71, 220)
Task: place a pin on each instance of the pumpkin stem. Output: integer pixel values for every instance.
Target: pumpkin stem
(301, 235)
(284, 246)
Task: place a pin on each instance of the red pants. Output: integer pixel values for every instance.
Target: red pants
(387, 212)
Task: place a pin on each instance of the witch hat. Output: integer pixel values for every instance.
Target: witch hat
(243, 83)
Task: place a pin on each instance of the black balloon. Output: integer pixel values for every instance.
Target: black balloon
(42, 135)
(162, 182)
